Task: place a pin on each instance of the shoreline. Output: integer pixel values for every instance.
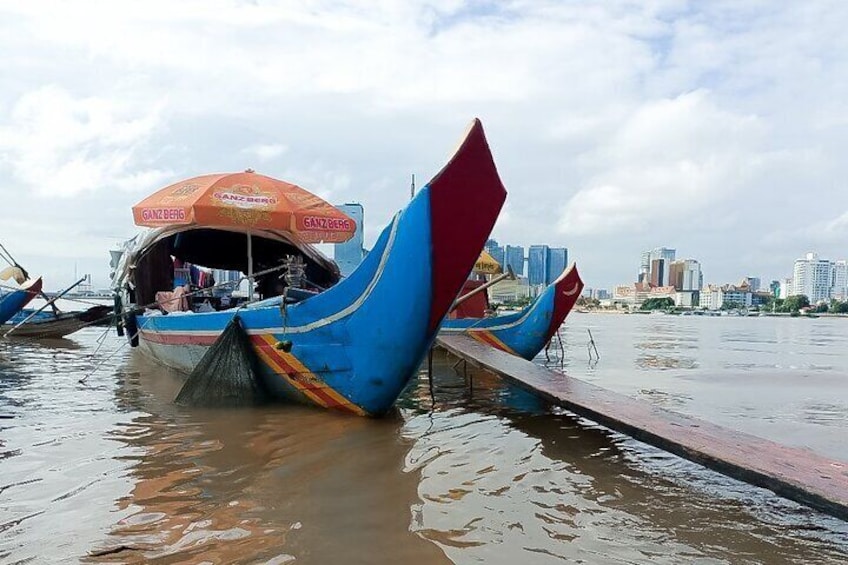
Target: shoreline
(710, 314)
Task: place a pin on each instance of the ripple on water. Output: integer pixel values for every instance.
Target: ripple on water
(485, 473)
(499, 485)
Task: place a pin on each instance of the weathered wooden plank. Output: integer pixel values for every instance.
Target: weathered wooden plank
(798, 474)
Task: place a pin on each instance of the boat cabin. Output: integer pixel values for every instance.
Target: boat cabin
(171, 269)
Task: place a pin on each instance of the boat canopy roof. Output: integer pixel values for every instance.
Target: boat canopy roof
(216, 248)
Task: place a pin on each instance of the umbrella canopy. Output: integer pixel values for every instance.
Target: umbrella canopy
(486, 264)
(248, 200)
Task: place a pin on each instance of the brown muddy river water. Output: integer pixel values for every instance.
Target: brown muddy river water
(111, 471)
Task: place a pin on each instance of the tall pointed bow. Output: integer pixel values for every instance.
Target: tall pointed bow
(465, 200)
(567, 289)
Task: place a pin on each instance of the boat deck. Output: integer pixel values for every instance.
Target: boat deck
(794, 473)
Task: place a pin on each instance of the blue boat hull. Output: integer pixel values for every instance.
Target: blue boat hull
(527, 332)
(12, 302)
(355, 346)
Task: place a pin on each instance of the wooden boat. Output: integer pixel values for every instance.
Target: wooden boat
(354, 346)
(14, 300)
(47, 325)
(527, 332)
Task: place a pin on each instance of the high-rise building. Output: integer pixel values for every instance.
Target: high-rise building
(659, 272)
(538, 259)
(785, 289)
(515, 258)
(685, 275)
(644, 268)
(496, 251)
(839, 288)
(812, 277)
(754, 283)
(654, 266)
(349, 255)
(675, 274)
(558, 259)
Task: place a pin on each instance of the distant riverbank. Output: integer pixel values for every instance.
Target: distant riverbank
(712, 313)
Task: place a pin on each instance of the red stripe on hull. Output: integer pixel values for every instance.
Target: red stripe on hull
(465, 200)
(177, 339)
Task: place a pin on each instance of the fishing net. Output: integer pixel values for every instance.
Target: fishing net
(226, 375)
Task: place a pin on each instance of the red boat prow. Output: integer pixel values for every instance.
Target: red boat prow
(567, 288)
(465, 218)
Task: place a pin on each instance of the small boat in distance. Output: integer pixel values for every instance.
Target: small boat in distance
(527, 332)
(351, 344)
(50, 325)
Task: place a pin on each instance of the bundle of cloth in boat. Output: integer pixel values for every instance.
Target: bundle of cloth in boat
(186, 278)
(15, 273)
(173, 301)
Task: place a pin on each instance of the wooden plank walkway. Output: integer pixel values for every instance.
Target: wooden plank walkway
(794, 473)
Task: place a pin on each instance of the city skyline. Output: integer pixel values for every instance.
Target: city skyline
(544, 263)
(819, 279)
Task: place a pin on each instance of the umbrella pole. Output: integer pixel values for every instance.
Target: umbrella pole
(249, 268)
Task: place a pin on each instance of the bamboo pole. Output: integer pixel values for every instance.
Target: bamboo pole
(509, 274)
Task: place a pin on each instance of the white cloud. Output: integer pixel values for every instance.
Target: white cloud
(676, 123)
(667, 162)
(61, 146)
(266, 151)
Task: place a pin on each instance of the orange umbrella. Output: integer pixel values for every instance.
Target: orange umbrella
(247, 200)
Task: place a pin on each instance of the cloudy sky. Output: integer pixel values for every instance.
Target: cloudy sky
(717, 128)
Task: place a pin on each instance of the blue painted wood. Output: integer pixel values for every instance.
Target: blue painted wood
(527, 332)
(14, 300)
(364, 338)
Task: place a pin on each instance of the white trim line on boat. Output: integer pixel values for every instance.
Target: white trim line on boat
(350, 309)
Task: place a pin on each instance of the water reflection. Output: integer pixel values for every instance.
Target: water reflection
(275, 484)
(485, 474)
(592, 494)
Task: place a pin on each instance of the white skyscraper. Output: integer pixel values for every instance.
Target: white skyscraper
(692, 277)
(812, 277)
(785, 290)
(840, 280)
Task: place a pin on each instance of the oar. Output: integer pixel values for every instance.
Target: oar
(49, 303)
(509, 274)
(12, 261)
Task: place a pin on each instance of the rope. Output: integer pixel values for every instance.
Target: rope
(111, 355)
